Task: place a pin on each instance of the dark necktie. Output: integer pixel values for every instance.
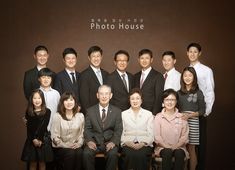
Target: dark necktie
(124, 81)
(73, 77)
(165, 76)
(103, 116)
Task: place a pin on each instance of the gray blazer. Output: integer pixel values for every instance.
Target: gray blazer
(94, 130)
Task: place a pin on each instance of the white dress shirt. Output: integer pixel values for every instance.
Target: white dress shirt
(206, 83)
(69, 73)
(173, 80)
(52, 98)
(98, 74)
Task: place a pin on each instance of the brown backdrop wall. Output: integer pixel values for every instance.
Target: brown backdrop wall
(168, 25)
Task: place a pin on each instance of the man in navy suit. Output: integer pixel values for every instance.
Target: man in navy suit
(120, 81)
(67, 79)
(31, 76)
(102, 132)
(150, 81)
(91, 78)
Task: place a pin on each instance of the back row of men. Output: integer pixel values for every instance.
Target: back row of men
(151, 82)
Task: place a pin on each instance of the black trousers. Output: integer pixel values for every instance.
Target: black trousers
(111, 159)
(168, 154)
(203, 142)
(136, 159)
(68, 159)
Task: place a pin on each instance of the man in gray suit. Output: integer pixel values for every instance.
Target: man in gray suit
(103, 129)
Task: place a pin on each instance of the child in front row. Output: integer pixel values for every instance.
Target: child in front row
(37, 116)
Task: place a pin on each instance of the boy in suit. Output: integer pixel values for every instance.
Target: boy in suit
(91, 78)
(150, 81)
(67, 79)
(120, 81)
(102, 132)
(31, 82)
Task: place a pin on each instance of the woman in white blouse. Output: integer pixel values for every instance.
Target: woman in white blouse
(137, 136)
(67, 133)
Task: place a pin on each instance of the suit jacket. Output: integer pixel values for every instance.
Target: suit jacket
(94, 130)
(152, 90)
(120, 94)
(63, 83)
(88, 87)
(30, 81)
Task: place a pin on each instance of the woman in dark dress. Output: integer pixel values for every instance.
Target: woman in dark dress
(37, 116)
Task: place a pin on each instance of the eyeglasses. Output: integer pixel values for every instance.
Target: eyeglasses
(169, 100)
(123, 61)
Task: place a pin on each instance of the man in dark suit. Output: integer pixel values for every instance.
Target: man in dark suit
(91, 78)
(150, 81)
(67, 79)
(31, 76)
(120, 81)
(102, 132)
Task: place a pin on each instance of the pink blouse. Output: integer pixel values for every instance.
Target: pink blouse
(170, 132)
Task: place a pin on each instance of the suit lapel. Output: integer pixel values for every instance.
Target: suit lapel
(108, 117)
(93, 75)
(148, 78)
(97, 111)
(120, 81)
(66, 75)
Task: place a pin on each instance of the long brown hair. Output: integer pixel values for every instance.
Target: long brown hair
(62, 109)
(30, 109)
(194, 87)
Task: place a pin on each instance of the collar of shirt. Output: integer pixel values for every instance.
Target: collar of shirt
(175, 115)
(195, 65)
(101, 108)
(120, 73)
(43, 89)
(95, 69)
(69, 73)
(170, 71)
(39, 68)
(146, 72)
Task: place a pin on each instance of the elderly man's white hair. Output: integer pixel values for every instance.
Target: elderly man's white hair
(105, 86)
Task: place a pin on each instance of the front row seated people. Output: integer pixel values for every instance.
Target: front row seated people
(171, 133)
(102, 132)
(137, 136)
(67, 133)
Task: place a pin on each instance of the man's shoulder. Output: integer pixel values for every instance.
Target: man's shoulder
(114, 108)
(32, 70)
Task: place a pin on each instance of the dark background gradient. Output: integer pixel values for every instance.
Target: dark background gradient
(168, 25)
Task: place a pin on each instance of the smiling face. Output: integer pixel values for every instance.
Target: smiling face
(104, 95)
(193, 55)
(170, 102)
(45, 81)
(135, 101)
(69, 103)
(188, 78)
(41, 57)
(145, 61)
(168, 62)
(121, 62)
(37, 100)
(70, 61)
(95, 59)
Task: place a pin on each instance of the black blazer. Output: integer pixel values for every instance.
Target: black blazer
(63, 83)
(120, 94)
(94, 130)
(30, 82)
(88, 87)
(152, 90)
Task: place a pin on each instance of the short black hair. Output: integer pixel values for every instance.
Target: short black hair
(122, 52)
(69, 51)
(170, 53)
(39, 48)
(196, 45)
(94, 49)
(146, 51)
(46, 72)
